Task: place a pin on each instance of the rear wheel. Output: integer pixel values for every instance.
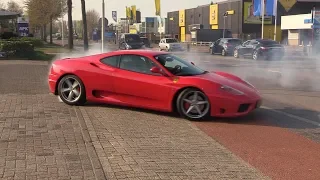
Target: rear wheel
(193, 104)
(71, 90)
(255, 55)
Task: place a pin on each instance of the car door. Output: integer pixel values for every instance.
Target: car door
(136, 85)
(161, 44)
(243, 50)
(252, 46)
(220, 45)
(215, 46)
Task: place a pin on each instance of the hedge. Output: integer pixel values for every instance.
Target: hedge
(17, 48)
(34, 41)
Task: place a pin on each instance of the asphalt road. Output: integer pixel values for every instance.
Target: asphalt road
(281, 139)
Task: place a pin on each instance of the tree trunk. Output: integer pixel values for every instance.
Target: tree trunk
(51, 24)
(84, 21)
(45, 33)
(41, 33)
(70, 25)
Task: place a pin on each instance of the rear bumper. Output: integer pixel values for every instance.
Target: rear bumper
(52, 82)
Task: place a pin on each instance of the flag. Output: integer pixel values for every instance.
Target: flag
(134, 13)
(257, 4)
(114, 16)
(128, 12)
(158, 9)
(268, 8)
(275, 7)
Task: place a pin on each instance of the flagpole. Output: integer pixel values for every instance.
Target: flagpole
(262, 23)
(275, 20)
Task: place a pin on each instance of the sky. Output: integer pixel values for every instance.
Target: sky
(146, 7)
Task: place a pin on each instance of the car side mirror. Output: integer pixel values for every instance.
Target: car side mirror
(192, 63)
(156, 70)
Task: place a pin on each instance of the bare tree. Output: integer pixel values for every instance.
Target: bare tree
(84, 21)
(92, 20)
(14, 7)
(2, 5)
(70, 24)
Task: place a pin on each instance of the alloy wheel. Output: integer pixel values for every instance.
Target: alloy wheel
(255, 55)
(71, 90)
(235, 53)
(223, 53)
(195, 104)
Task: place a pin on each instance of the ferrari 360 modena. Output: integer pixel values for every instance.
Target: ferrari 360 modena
(152, 80)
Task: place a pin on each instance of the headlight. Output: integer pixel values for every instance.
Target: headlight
(231, 90)
(128, 45)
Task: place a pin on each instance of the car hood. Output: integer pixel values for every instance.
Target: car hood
(229, 80)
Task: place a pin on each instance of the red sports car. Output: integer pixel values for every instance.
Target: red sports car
(152, 80)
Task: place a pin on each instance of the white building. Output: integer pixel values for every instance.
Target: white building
(298, 29)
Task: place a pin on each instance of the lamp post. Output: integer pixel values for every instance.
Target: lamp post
(102, 27)
(225, 15)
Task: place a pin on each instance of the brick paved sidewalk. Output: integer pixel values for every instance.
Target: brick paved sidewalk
(40, 138)
(139, 145)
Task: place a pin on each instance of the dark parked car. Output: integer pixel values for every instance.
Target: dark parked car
(130, 41)
(224, 46)
(260, 49)
(146, 42)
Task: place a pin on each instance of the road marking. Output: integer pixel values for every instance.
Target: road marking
(292, 116)
(274, 71)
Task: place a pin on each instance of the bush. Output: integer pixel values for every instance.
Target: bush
(17, 48)
(8, 35)
(34, 41)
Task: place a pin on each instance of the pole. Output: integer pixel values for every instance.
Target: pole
(275, 20)
(224, 25)
(102, 27)
(262, 23)
(62, 32)
(160, 26)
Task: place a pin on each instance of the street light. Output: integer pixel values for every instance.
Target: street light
(225, 15)
(102, 27)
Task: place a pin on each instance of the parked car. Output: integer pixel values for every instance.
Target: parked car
(170, 44)
(224, 46)
(145, 42)
(130, 41)
(260, 49)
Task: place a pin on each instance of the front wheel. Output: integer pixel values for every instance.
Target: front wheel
(193, 104)
(236, 53)
(223, 52)
(255, 55)
(71, 90)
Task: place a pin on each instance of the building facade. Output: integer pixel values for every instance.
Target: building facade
(240, 20)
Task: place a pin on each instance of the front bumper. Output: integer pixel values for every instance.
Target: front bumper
(222, 107)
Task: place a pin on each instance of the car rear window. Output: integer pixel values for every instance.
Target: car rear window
(171, 40)
(132, 38)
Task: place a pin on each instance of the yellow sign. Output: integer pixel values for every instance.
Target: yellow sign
(158, 9)
(287, 4)
(134, 13)
(181, 18)
(171, 19)
(213, 14)
(249, 18)
(182, 34)
(231, 12)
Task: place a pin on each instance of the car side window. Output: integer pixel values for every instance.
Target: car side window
(253, 42)
(111, 61)
(137, 64)
(246, 43)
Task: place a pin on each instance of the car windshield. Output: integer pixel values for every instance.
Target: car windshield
(178, 66)
(171, 40)
(234, 41)
(132, 38)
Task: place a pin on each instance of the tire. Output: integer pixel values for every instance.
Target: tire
(236, 53)
(80, 89)
(188, 95)
(212, 52)
(167, 49)
(255, 55)
(223, 52)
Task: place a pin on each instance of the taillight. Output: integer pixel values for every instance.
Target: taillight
(228, 44)
(263, 48)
